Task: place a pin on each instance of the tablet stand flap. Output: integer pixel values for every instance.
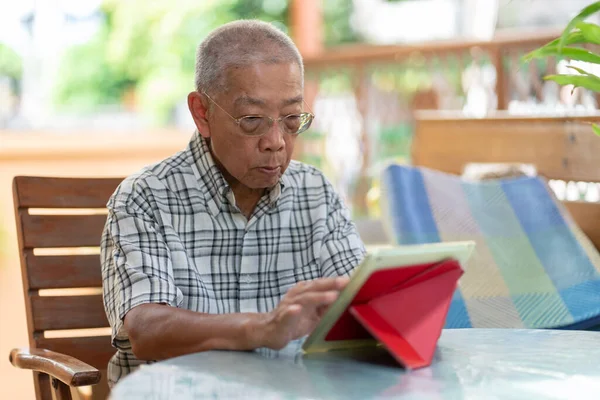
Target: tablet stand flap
(409, 320)
(379, 283)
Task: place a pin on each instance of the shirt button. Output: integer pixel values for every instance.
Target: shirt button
(248, 278)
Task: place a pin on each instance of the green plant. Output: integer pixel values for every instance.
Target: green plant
(11, 64)
(569, 45)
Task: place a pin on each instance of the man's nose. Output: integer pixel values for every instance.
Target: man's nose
(273, 140)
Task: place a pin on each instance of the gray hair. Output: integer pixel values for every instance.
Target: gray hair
(240, 44)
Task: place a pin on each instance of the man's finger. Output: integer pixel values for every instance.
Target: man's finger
(285, 325)
(320, 285)
(316, 299)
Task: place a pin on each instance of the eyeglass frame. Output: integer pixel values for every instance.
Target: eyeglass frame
(271, 120)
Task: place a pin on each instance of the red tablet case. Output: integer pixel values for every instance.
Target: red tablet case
(403, 308)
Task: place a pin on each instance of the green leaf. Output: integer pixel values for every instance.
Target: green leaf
(589, 81)
(542, 52)
(580, 55)
(586, 12)
(582, 71)
(551, 48)
(591, 32)
(596, 129)
(573, 53)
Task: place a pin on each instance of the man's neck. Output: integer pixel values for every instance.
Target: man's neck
(246, 199)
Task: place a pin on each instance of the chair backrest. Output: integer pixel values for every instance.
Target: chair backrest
(59, 224)
(562, 148)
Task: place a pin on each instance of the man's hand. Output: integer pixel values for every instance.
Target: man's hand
(300, 310)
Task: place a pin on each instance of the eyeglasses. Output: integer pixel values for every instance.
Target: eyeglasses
(258, 125)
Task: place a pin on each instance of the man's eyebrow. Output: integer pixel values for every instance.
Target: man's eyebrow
(253, 101)
(250, 101)
(293, 100)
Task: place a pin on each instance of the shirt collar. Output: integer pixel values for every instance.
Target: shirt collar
(210, 176)
(216, 187)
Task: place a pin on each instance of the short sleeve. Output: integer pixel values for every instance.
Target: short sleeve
(136, 261)
(342, 248)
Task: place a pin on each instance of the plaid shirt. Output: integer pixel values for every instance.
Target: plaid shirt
(174, 235)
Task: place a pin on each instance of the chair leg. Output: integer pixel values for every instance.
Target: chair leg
(60, 390)
(43, 389)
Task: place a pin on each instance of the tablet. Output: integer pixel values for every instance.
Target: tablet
(397, 297)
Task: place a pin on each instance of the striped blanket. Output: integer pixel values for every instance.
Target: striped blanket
(532, 266)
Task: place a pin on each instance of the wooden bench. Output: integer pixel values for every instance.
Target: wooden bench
(562, 148)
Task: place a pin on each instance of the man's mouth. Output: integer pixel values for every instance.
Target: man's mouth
(270, 170)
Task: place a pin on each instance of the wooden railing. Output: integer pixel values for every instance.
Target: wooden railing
(377, 88)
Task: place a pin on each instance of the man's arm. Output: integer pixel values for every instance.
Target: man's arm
(159, 331)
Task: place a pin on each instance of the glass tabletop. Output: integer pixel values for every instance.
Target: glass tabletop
(469, 364)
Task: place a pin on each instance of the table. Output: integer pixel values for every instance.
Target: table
(469, 364)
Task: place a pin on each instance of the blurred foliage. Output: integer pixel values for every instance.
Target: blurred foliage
(393, 142)
(336, 81)
(88, 79)
(148, 48)
(274, 11)
(405, 78)
(144, 46)
(10, 62)
(337, 28)
(312, 142)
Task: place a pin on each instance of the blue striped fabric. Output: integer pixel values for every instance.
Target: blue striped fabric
(532, 267)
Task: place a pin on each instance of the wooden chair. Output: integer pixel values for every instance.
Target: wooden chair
(562, 148)
(60, 364)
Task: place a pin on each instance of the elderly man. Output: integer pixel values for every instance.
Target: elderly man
(228, 244)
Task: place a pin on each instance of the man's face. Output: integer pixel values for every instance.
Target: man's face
(273, 90)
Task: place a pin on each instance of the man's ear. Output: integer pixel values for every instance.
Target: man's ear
(198, 106)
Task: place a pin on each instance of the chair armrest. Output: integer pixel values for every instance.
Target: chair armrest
(67, 369)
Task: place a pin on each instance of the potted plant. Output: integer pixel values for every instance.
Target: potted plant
(569, 45)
